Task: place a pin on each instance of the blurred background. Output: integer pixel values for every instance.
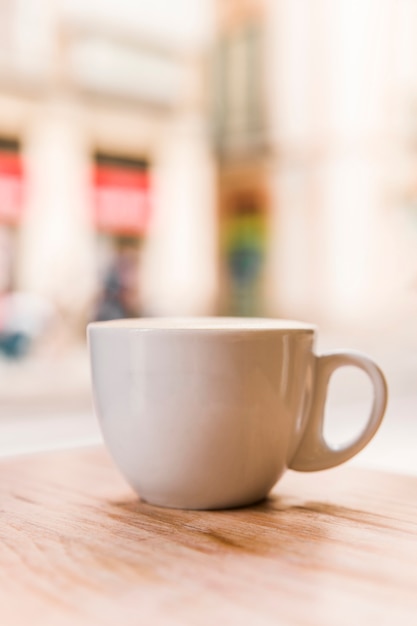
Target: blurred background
(206, 157)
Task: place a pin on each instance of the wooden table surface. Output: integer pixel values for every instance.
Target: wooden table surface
(78, 547)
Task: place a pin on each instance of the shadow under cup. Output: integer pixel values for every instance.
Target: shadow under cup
(209, 412)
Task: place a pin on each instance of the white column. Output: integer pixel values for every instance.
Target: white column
(289, 81)
(57, 239)
(179, 263)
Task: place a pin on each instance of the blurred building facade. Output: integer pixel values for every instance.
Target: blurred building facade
(106, 174)
(248, 157)
(314, 132)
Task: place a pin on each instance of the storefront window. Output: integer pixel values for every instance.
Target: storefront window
(238, 95)
(121, 212)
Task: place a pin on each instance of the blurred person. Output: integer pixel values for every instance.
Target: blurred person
(119, 297)
(24, 317)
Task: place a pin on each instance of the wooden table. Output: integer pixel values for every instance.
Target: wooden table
(78, 547)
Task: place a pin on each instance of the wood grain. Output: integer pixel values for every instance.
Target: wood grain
(78, 547)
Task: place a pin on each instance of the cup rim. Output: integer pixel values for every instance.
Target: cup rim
(203, 324)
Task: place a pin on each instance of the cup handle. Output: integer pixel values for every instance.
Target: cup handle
(314, 453)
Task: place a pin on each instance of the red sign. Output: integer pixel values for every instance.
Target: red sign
(11, 188)
(121, 199)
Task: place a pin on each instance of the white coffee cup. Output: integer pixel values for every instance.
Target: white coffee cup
(207, 413)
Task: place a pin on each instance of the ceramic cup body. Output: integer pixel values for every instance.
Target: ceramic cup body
(208, 413)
